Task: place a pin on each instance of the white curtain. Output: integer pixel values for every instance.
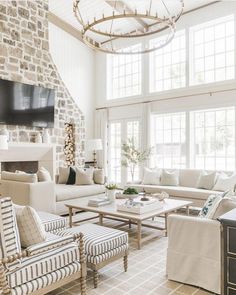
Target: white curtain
(101, 121)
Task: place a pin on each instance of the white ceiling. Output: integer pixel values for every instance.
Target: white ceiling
(64, 8)
(90, 8)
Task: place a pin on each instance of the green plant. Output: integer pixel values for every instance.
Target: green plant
(130, 191)
(111, 186)
(132, 156)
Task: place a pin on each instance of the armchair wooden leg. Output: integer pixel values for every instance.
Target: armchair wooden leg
(83, 286)
(3, 282)
(126, 263)
(95, 278)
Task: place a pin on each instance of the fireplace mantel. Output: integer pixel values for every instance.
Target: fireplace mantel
(43, 153)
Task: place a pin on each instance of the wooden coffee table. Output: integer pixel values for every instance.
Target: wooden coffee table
(110, 211)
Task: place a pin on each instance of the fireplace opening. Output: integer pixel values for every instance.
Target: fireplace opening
(27, 166)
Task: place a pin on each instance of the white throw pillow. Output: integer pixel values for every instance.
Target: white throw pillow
(43, 175)
(210, 206)
(64, 173)
(21, 177)
(151, 176)
(99, 176)
(84, 177)
(170, 178)
(30, 226)
(207, 181)
(225, 182)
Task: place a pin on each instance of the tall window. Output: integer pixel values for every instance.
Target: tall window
(167, 65)
(133, 134)
(213, 142)
(120, 132)
(169, 140)
(115, 152)
(212, 50)
(124, 75)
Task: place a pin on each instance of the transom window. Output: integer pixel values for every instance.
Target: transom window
(168, 65)
(124, 78)
(213, 139)
(212, 49)
(168, 140)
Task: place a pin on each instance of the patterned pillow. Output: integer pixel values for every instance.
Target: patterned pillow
(30, 227)
(210, 206)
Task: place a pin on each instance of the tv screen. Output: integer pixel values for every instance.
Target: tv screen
(28, 105)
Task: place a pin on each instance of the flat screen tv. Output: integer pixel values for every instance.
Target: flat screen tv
(27, 105)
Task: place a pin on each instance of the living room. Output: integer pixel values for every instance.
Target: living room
(117, 147)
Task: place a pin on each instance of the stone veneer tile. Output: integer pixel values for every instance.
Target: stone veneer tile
(25, 57)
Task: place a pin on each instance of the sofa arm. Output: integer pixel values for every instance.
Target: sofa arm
(41, 195)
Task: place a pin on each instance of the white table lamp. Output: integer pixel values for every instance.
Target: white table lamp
(94, 145)
(3, 142)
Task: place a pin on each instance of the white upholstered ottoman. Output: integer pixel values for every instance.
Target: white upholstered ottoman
(103, 245)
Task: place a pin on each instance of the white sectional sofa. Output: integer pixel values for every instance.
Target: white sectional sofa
(46, 196)
(187, 189)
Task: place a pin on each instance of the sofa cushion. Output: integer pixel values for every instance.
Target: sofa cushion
(189, 177)
(22, 177)
(43, 175)
(99, 176)
(36, 266)
(151, 176)
(63, 175)
(177, 191)
(207, 180)
(84, 177)
(170, 178)
(68, 192)
(225, 182)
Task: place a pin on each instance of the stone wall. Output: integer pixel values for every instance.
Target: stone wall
(25, 57)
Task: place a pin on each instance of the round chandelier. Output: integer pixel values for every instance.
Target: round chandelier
(113, 26)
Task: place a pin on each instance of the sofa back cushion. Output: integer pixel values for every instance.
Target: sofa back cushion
(189, 177)
(99, 176)
(170, 178)
(43, 175)
(21, 177)
(84, 177)
(9, 235)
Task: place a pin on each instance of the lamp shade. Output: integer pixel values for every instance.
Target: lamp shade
(3, 142)
(94, 144)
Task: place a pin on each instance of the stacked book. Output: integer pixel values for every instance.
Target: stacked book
(99, 201)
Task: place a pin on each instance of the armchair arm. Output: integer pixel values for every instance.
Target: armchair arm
(194, 235)
(39, 195)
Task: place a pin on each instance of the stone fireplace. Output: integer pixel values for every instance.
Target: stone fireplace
(28, 157)
(25, 57)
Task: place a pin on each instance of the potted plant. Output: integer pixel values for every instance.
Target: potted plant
(130, 192)
(132, 156)
(111, 191)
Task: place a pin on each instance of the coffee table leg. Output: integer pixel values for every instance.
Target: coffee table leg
(100, 219)
(70, 216)
(130, 223)
(139, 234)
(187, 210)
(166, 217)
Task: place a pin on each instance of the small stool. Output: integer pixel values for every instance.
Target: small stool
(103, 245)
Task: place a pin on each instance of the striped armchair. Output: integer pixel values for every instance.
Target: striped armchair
(40, 268)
